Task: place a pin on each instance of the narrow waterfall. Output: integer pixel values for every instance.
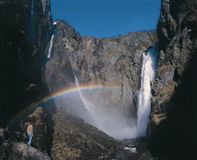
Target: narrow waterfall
(32, 7)
(50, 47)
(85, 102)
(104, 113)
(144, 99)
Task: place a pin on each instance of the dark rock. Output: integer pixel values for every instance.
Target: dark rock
(22, 59)
(11, 148)
(174, 88)
(38, 22)
(5, 145)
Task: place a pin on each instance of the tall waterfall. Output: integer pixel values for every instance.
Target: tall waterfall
(50, 47)
(144, 99)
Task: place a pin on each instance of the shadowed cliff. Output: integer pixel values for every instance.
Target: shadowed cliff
(173, 132)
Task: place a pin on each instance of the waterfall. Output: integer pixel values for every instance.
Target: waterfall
(144, 99)
(32, 7)
(92, 119)
(104, 113)
(85, 102)
(50, 46)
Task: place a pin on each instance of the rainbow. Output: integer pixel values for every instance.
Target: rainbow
(82, 87)
(70, 90)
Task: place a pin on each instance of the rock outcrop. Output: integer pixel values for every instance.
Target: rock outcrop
(76, 140)
(21, 151)
(12, 149)
(38, 22)
(173, 127)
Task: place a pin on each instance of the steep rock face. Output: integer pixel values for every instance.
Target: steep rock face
(58, 72)
(37, 22)
(98, 61)
(174, 89)
(92, 61)
(22, 58)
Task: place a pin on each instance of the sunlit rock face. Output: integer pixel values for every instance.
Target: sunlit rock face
(113, 63)
(173, 127)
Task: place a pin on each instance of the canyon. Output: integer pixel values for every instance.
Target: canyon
(126, 97)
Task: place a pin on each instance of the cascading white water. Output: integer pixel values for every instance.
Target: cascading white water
(50, 46)
(144, 99)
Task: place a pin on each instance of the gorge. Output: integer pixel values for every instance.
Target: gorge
(127, 97)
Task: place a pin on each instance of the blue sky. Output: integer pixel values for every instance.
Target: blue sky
(107, 18)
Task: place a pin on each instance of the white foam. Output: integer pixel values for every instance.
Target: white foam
(144, 98)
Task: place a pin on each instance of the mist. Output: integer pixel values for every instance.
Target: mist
(102, 108)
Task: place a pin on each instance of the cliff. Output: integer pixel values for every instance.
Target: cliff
(174, 111)
(92, 61)
(22, 62)
(38, 58)
(22, 58)
(98, 61)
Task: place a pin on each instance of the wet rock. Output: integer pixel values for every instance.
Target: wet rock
(134, 149)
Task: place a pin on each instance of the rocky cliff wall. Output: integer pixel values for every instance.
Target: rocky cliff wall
(98, 61)
(22, 58)
(174, 88)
